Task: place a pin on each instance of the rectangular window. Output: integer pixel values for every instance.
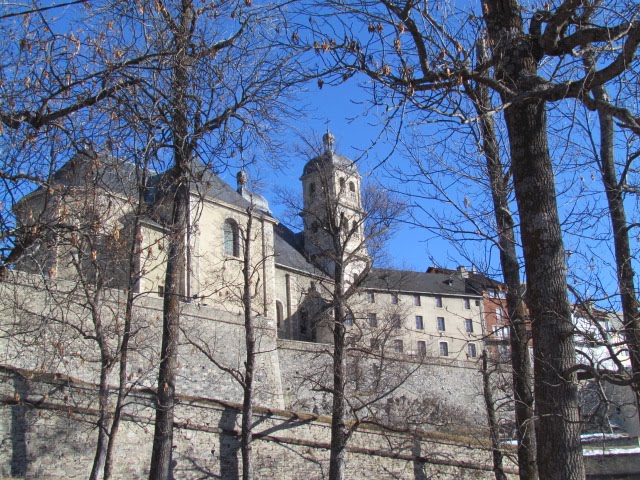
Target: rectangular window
(471, 350)
(371, 296)
(303, 322)
(477, 303)
(375, 344)
(161, 290)
(348, 320)
(444, 349)
(394, 298)
(372, 318)
(422, 348)
(396, 322)
(398, 346)
(441, 326)
(467, 304)
(468, 325)
(416, 300)
(499, 314)
(439, 301)
(419, 322)
(503, 351)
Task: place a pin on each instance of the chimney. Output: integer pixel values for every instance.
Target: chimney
(463, 271)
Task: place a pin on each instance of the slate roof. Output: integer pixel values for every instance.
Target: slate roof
(87, 169)
(203, 182)
(418, 282)
(329, 159)
(476, 282)
(289, 251)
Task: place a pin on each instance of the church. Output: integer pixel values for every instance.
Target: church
(94, 205)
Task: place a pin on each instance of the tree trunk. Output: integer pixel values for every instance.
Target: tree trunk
(250, 341)
(103, 419)
(620, 228)
(498, 469)
(556, 394)
(133, 278)
(522, 372)
(160, 468)
(339, 432)
(165, 399)
(559, 451)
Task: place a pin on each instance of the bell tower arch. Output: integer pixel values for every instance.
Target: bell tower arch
(332, 210)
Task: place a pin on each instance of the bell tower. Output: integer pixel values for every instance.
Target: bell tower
(332, 211)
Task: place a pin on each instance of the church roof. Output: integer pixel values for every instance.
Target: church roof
(288, 247)
(329, 160)
(417, 282)
(89, 169)
(203, 183)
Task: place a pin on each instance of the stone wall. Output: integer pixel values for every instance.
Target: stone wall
(445, 390)
(47, 432)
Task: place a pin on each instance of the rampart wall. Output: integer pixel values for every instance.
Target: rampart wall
(47, 432)
(47, 421)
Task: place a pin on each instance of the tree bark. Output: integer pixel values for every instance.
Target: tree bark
(161, 456)
(620, 228)
(132, 279)
(103, 420)
(250, 343)
(498, 468)
(522, 372)
(339, 431)
(559, 451)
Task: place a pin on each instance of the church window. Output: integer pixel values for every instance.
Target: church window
(444, 349)
(371, 296)
(231, 238)
(279, 313)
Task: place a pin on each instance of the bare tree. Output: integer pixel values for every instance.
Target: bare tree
(405, 65)
(343, 232)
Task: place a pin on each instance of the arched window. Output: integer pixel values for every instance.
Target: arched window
(231, 240)
(279, 313)
(312, 191)
(342, 184)
(352, 189)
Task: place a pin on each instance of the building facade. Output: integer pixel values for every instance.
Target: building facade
(94, 208)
